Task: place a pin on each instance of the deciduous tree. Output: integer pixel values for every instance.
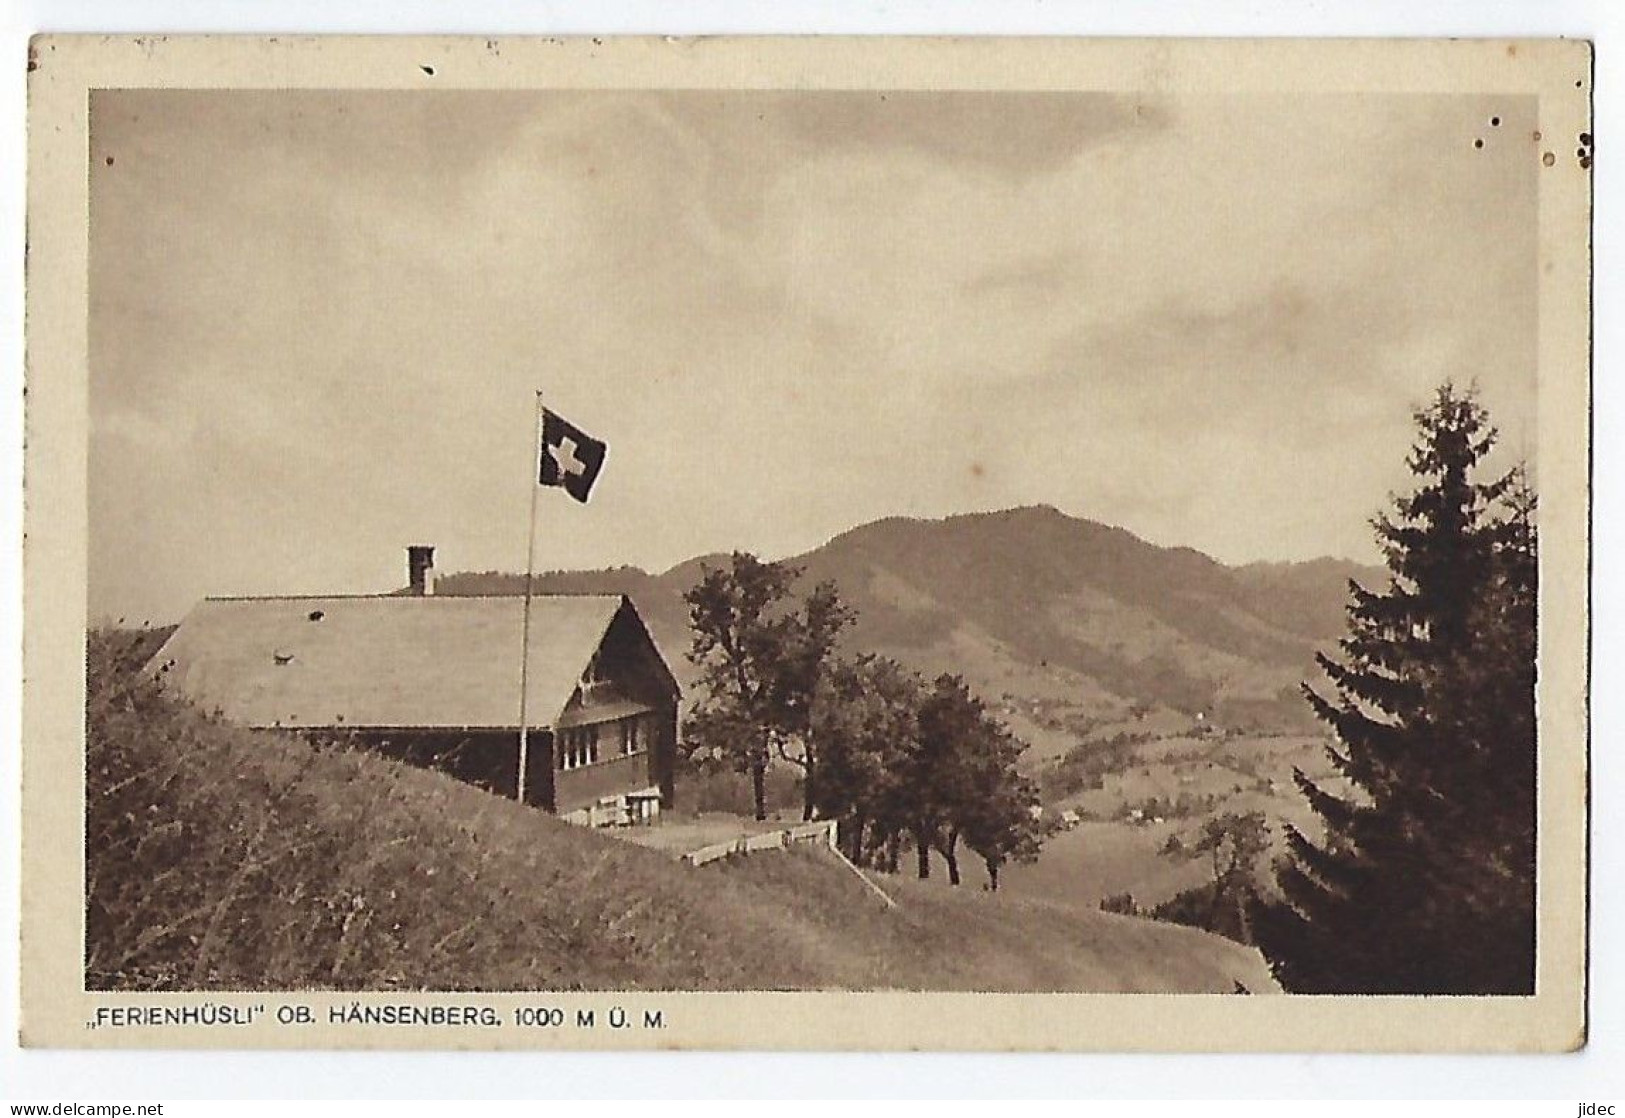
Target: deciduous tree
(761, 656)
(965, 784)
(865, 724)
(1234, 843)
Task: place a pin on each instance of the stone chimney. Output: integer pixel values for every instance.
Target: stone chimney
(420, 570)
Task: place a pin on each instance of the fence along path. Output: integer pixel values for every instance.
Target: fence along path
(818, 833)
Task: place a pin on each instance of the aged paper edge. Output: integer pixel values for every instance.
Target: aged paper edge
(56, 1009)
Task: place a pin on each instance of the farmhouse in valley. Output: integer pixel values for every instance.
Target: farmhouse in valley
(435, 680)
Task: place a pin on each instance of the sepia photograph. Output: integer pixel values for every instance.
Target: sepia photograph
(887, 536)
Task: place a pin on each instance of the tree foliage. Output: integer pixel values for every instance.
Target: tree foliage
(981, 795)
(928, 763)
(866, 722)
(1234, 844)
(762, 656)
(1424, 879)
(895, 758)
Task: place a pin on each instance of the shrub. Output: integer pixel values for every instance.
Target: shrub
(1123, 904)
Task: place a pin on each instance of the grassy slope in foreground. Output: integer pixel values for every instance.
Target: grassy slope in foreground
(222, 859)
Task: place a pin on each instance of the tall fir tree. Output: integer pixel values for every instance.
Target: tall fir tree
(1423, 881)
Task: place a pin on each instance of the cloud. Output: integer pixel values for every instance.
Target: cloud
(317, 318)
(1012, 135)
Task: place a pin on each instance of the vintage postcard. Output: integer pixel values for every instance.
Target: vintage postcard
(807, 543)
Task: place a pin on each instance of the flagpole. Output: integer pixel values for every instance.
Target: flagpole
(536, 451)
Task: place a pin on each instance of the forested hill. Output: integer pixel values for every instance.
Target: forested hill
(1054, 618)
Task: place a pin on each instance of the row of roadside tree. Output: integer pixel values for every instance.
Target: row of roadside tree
(900, 760)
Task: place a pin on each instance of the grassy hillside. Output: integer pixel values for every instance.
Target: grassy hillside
(219, 858)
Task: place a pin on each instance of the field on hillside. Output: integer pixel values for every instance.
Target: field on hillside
(1096, 860)
(1165, 782)
(1166, 787)
(219, 858)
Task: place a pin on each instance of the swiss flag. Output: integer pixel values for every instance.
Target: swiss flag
(570, 458)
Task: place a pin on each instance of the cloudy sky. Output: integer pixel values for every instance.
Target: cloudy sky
(318, 320)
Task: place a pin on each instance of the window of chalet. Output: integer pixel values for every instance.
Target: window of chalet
(577, 746)
(636, 734)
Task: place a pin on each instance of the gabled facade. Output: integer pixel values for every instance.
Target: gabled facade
(435, 680)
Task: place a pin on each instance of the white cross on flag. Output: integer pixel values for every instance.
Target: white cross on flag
(570, 458)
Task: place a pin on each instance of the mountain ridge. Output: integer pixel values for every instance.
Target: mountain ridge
(1059, 621)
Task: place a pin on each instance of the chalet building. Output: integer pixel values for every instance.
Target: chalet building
(434, 680)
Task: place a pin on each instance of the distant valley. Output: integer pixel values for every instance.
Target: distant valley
(1067, 626)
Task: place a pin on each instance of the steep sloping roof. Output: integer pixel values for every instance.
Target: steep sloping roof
(431, 662)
